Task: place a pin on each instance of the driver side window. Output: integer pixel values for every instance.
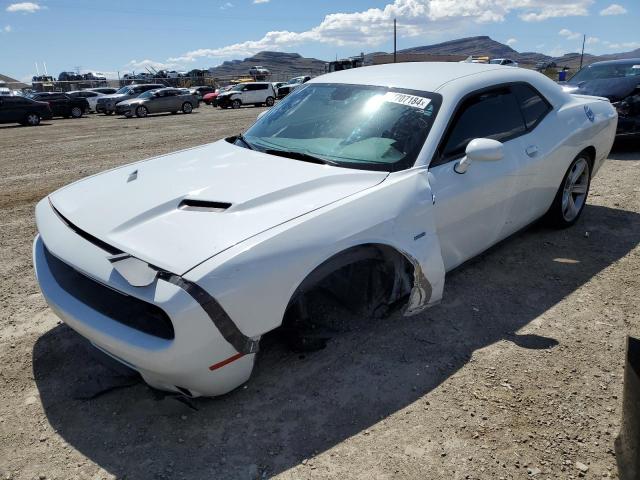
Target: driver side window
(491, 114)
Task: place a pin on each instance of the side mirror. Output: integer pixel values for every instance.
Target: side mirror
(480, 150)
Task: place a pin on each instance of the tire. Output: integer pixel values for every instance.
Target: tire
(187, 107)
(128, 114)
(269, 102)
(76, 112)
(572, 194)
(141, 111)
(236, 104)
(31, 120)
(108, 112)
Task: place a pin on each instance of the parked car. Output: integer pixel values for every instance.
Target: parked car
(617, 80)
(276, 86)
(201, 91)
(70, 77)
(503, 61)
(62, 105)
(291, 85)
(250, 93)
(22, 110)
(158, 101)
(211, 98)
(259, 71)
(107, 104)
(90, 96)
(387, 175)
(543, 65)
(103, 90)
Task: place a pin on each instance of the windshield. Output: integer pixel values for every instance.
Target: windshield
(356, 126)
(497, 61)
(615, 70)
(237, 87)
(123, 90)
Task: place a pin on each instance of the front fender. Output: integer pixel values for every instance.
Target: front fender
(254, 280)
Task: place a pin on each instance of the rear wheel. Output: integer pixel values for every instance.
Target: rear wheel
(142, 111)
(270, 101)
(108, 112)
(32, 120)
(236, 104)
(572, 194)
(187, 107)
(76, 112)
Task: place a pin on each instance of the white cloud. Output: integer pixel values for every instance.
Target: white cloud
(374, 26)
(622, 45)
(142, 65)
(539, 10)
(592, 40)
(7, 29)
(569, 35)
(26, 7)
(226, 5)
(613, 9)
(511, 42)
(260, 1)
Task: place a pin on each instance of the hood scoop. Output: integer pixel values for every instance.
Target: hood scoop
(203, 205)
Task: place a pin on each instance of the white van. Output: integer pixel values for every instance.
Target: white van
(251, 93)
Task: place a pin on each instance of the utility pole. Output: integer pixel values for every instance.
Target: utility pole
(584, 38)
(394, 40)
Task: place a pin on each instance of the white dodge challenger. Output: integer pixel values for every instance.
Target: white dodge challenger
(380, 178)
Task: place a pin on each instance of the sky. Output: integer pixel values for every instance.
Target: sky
(124, 36)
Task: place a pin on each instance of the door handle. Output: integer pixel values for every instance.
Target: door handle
(531, 150)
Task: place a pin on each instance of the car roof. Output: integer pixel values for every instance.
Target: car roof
(434, 76)
(620, 61)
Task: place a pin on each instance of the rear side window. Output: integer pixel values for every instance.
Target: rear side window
(533, 105)
(492, 114)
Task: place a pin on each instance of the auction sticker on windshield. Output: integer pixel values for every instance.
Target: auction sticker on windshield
(408, 100)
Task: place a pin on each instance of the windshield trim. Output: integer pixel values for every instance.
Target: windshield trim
(402, 164)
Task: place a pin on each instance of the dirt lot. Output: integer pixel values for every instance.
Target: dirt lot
(517, 374)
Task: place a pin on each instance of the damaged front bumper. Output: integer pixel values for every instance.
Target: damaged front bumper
(167, 330)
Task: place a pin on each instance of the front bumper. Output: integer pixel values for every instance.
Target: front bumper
(173, 364)
(124, 110)
(102, 107)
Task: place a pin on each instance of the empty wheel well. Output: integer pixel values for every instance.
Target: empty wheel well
(371, 278)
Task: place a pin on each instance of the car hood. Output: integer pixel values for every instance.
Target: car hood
(615, 89)
(153, 209)
(114, 96)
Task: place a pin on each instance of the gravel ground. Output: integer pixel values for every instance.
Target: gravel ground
(516, 374)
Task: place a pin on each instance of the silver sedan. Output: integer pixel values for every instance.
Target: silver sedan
(157, 101)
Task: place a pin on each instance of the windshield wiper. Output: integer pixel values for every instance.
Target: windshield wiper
(305, 157)
(242, 139)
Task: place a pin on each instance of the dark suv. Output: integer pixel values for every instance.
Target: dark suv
(14, 109)
(62, 105)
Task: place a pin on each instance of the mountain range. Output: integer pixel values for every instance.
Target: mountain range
(286, 65)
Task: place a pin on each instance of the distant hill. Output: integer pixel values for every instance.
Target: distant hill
(286, 65)
(12, 82)
(282, 65)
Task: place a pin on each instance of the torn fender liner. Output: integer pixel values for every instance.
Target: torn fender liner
(219, 317)
(421, 290)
